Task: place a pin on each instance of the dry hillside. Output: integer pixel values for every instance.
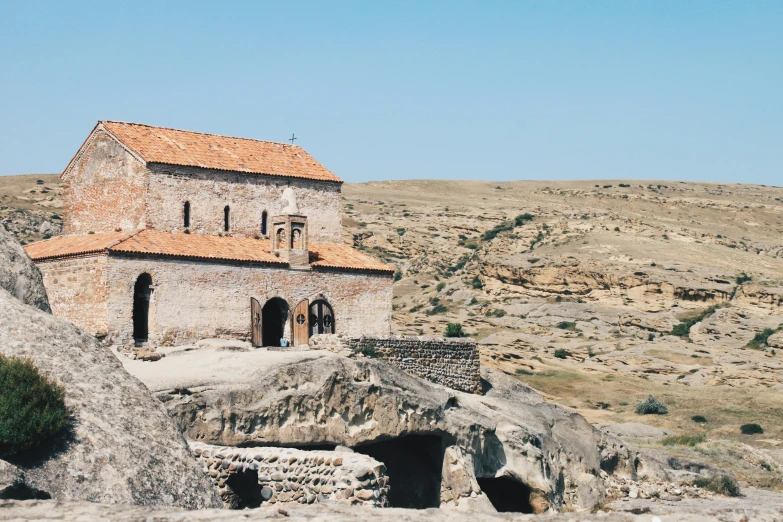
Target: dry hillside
(596, 293)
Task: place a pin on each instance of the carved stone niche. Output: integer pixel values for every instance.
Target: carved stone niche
(289, 240)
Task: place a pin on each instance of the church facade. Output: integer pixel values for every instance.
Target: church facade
(171, 236)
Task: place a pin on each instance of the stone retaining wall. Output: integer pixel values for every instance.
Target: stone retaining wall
(247, 477)
(451, 362)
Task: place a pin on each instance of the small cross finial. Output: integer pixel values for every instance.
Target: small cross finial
(292, 138)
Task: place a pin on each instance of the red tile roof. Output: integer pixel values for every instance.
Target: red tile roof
(198, 246)
(210, 151)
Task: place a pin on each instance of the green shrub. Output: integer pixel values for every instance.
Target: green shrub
(454, 330)
(473, 301)
(699, 418)
(522, 371)
(368, 350)
(400, 231)
(684, 328)
(562, 353)
(440, 286)
(534, 260)
(743, 278)
(651, 337)
(721, 485)
(476, 283)
(759, 341)
(437, 309)
(492, 233)
(522, 218)
(397, 275)
(683, 440)
(751, 429)
(650, 406)
(32, 406)
(416, 308)
(566, 325)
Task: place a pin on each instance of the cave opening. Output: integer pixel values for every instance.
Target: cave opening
(247, 491)
(506, 494)
(414, 464)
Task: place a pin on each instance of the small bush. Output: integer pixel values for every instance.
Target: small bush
(566, 325)
(437, 309)
(473, 301)
(562, 353)
(32, 406)
(476, 283)
(699, 418)
(454, 330)
(721, 485)
(368, 350)
(651, 337)
(683, 440)
(522, 218)
(39, 181)
(684, 328)
(397, 275)
(751, 429)
(650, 406)
(440, 286)
(743, 278)
(534, 260)
(416, 308)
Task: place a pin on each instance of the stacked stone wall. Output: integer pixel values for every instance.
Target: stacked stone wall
(246, 195)
(291, 476)
(194, 300)
(77, 291)
(450, 362)
(105, 189)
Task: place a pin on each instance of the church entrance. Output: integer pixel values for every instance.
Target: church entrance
(321, 318)
(142, 292)
(273, 318)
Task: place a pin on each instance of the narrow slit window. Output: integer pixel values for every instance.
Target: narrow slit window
(263, 223)
(226, 212)
(186, 214)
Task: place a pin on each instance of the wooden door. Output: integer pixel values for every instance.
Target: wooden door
(301, 333)
(255, 322)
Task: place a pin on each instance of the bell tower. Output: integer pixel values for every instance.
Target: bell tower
(289, 233)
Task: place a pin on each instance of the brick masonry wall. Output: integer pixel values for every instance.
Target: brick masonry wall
(247, 195)
(193, 300)
(291, 476)
(450, 362)
(77, 291)
(105, 189)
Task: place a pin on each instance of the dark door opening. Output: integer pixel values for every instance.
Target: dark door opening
(245, 491)
(141, 307)
(414, 465)
(273, 317)
(506, 494)
(321, 318)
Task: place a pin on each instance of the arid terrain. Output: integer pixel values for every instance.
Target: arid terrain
(596, 293)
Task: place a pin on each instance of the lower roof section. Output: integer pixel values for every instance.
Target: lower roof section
(198, 246)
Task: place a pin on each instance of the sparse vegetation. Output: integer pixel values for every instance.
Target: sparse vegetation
(651, 406)
(32, 406)
(476, 283)
(723, 485)
(684, 328)
(562, 353)
(743, 278)
(397, 274)
(368, 350)
(440, 286)
(687, 439)
(699, 418)
(566, 325)
(759, 341)
(437, 309)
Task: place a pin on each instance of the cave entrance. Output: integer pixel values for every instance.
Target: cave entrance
(506, 494)
(245, 488)
(414, 465)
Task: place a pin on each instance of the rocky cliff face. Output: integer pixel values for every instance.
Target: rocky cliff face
(121, 447)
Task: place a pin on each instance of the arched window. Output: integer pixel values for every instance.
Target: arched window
(263, 223)
(226, 211)
(186, 214)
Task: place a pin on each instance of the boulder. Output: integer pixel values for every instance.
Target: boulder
(510, 432)
(121, 446)
(19, 275)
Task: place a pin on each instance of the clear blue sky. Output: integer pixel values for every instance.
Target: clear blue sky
(387, 90)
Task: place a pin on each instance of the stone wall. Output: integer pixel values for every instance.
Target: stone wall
(105, 189)
(451, 362)
(196, 299)
(249, 477)
(77, 290)
(247, 196)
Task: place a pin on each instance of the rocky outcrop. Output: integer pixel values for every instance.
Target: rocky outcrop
(510, 432)
(121, 446)
(18, 275)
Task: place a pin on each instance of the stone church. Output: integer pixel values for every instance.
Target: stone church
(171, 236)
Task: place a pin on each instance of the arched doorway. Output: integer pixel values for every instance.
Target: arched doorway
(273, 317)
(321, 318)
(141, 307)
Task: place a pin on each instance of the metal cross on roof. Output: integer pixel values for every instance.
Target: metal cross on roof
(292, 138)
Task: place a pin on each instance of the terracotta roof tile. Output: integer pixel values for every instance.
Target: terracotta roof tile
(210, 151)
(64, 246)
(199, 246)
